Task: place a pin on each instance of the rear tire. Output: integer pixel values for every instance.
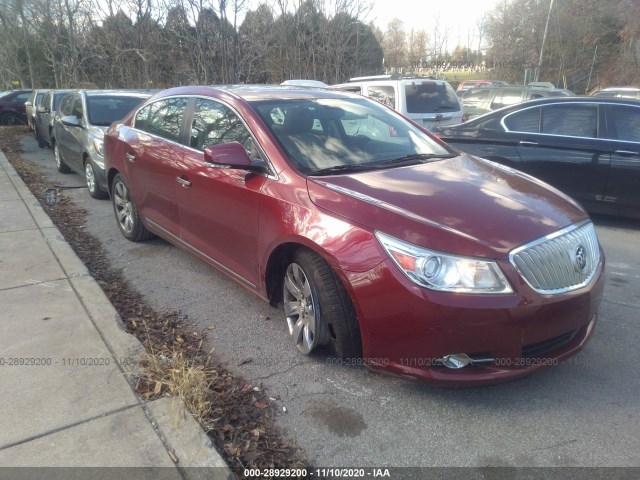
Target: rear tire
(39, 139)
(127, 213)
(318, 308)
(60, 165)
(10, 118)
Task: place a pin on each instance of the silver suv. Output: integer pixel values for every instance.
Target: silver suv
(79, 129)
(479, 101)
(430, 103)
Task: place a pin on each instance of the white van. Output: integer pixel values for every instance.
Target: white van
(430, 103)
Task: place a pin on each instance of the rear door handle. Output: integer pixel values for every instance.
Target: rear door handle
(131, 157)
(183, 182)
(527, 143)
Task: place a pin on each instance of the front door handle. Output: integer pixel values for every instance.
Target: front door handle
(527, 143)
(131, 157)
(183, 182)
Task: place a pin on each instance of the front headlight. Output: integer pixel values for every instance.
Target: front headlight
(98, 146)
(444, 272)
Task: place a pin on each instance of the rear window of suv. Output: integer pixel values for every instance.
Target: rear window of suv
(430, 97)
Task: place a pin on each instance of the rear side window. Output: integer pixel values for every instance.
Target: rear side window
(475, 97)
(626, 123)
(429, 97)
(506, 98)
(383, 94)
(524, 121)
(572, 120)
(163, 118)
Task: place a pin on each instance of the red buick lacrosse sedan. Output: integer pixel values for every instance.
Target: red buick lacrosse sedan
(383, 244)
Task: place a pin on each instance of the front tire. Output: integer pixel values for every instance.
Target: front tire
(126, 212)
(318, 309)
(60, 165)
(92, 183)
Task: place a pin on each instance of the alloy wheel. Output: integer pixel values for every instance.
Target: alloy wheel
(90, 177)
(301, 309)
(124, 207)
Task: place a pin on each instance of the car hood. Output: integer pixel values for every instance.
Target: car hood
(463, 205)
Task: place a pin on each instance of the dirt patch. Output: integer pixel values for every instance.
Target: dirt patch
(238, 417)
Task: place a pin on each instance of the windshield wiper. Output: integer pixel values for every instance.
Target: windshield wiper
(417, 157)
(446, 107)
(343, 169)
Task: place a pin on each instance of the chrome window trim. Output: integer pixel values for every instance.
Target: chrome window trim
(546, 238)
(272, 174)
(596, 104)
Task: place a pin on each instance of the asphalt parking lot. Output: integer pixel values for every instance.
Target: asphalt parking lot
(584, 412)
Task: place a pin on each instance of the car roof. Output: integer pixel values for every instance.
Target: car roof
(111, 93)
(252, 93)
(620, 89)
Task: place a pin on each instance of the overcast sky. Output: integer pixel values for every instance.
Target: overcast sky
(458, 16)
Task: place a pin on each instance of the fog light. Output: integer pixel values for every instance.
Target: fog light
(456, 360)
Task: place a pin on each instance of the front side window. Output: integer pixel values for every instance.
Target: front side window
(57, 98)
(626, 123)
(386, 95)
(214, 123)
(322, 134)
(163, 118)
(431, 97)
(572, 120)
(66, 106)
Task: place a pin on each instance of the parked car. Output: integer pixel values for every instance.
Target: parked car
(588, 147)
(79, 128)
(427, 102)
(381, 242)
(479, 101)
(466, 85)
(12, 108)
(45, 115)
(34, 101)
(619, 92)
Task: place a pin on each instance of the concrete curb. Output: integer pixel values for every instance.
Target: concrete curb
(182, 437)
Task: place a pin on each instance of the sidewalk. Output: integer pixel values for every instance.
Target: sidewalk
(64, 399)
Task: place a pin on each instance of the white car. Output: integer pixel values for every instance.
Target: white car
(428, 102)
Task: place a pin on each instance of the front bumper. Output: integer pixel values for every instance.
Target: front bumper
(406, 329)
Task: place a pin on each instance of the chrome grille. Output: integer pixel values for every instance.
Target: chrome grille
(552, 264)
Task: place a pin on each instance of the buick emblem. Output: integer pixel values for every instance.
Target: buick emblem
(581, 259)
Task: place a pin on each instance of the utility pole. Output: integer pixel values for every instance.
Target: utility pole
(544, 38)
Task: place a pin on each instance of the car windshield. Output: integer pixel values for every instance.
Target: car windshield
(430, 97)
(104, 110)
(338, 135)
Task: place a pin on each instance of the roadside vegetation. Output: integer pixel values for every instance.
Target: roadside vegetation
(162, 43)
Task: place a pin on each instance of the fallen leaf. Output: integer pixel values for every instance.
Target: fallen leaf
(244, 361)
(261, 405)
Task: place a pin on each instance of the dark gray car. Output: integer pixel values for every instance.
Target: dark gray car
(45, 115)
(79, 129)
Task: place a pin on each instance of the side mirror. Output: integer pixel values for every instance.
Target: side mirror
(231, 155)
(70, 121)
(42, 110)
